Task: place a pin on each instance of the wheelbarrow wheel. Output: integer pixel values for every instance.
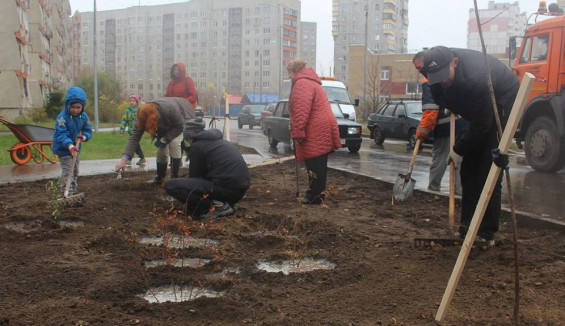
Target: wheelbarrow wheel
(21, 156)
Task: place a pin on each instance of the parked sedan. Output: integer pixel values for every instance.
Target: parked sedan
(250, 115)
(276, 127)
(396, 119)
(267, 112)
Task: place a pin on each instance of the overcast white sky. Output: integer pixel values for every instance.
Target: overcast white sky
(432, 22)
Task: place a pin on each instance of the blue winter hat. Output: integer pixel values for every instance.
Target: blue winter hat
(75, 95)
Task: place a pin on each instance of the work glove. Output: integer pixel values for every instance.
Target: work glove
(73, 149)
(161, 142)
(499, 159)
(82, 138)
(454, 157)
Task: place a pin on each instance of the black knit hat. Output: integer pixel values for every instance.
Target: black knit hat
(193, 127)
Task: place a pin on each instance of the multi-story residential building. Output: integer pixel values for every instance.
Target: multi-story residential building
(499, 22)
(35, 56)
(308, 43)
(380, 25)
(235, 46)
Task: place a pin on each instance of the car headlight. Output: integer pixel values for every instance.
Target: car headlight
(353, 131)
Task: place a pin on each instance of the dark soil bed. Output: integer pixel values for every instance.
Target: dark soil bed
(87, 267)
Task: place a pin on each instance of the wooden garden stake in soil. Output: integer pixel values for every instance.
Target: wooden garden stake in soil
(452, 172)
(508, 181)
(506, 139)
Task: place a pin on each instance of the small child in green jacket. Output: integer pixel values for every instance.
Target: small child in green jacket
(128, 121)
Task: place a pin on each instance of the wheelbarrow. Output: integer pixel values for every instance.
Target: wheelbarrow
(34, 141)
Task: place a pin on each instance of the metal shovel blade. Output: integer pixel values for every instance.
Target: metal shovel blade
(403, 187)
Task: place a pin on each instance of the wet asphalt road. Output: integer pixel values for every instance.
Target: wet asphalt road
(536, 194)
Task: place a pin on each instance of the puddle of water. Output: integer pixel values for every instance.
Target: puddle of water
(294, 266)
(223, 274)
(71, 224)
(184, 262)
(22, 227)
(178, 294)
(177, 241)
(26, 227)
(269, 233)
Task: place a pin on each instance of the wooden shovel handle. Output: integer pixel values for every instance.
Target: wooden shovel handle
(71, 171)
(451, 172)
(416, 149)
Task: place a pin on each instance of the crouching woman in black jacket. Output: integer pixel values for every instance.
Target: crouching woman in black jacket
(218, 177)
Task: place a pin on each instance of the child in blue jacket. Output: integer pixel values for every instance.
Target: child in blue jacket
(71, 124)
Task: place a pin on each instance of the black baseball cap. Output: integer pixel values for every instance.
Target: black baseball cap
(436, 64)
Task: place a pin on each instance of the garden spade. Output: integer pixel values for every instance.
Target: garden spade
(404, 184)
(72, 200)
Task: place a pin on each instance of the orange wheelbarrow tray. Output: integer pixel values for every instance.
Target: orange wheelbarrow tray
(34, 140)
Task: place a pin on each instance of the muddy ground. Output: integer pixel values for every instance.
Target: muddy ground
(89, 266)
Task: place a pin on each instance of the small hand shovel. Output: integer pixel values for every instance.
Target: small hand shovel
(404, 184)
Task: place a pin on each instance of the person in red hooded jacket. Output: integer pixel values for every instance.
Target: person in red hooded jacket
(181, 85)
(313, 127)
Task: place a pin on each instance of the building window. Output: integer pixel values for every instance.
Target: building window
(385, 73)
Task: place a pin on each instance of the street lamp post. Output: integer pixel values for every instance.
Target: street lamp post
(95, 73)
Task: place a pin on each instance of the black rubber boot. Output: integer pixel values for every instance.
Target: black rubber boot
(175, 167)
(161, 173)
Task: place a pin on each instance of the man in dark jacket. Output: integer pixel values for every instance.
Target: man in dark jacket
(436, 120)
(218, 177)
(459, 81)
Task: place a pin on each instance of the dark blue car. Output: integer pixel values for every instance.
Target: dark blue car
(396, 119)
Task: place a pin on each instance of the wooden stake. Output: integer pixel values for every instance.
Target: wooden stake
(452, 175)
(504, 145)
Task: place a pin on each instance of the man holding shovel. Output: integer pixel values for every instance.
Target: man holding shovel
(459, 81)
(436, 119)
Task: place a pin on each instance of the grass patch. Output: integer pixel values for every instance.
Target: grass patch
(103, 145)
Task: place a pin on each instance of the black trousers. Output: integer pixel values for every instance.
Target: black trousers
(317, 168)
(198, 193)
(474, 172)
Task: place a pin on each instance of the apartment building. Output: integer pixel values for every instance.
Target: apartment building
(36, 52)
(380, 25)
(235, 46)
(499, 22)
(308, 43)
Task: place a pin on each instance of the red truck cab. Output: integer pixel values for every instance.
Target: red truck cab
(542, 127)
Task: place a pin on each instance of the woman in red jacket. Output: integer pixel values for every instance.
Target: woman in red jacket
(313, 127)
(181, 85)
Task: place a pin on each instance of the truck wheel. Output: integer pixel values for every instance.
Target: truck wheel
(272, 141)
(354, 148)
(239, 124)
(544, 146)
(378, 136)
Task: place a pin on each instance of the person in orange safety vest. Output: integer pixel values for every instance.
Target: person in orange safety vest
(435, 121)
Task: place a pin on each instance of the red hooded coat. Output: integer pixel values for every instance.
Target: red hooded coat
(311, 117)
(182, 87)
